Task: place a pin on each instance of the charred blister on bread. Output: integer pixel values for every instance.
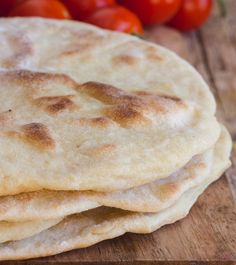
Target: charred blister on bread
(99, 122)
(130, 109)
(58, 104)
(36, 135)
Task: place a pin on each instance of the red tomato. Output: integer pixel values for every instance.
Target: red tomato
(41, 8)
(80, 9)
(7, 5)
(152, 12)
(116, 18)
(192, 14)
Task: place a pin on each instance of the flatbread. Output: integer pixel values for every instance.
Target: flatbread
(91, 227)
(151, 197)
(16, 231)
(57, 134)
(82, 130)
(87, 53)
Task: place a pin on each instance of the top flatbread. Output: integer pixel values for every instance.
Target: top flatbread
(61, 135)
(87, 53)
(114, 121)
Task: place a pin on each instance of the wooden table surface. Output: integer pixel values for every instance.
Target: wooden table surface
(208, 234)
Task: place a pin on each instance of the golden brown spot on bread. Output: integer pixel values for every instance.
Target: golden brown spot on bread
(152, 54)
(126, 116)
(174, 98)
(167, 98)
(145, 93)
(127, 108)
(57, 104)
(165, 191)
(100, 150)
(38, 79)
(202, 165)
(35, 134)
(103, 92)
(142, 93)
(85, 36)
(111, 95)
(81, 42)
(100, 122)
(144, 52)
(77, 51)
(191, 168)
(38, 135)
(125, 59)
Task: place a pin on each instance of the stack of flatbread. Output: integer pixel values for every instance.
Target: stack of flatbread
(101, 134)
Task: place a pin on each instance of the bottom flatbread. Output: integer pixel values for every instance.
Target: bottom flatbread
(88, 228)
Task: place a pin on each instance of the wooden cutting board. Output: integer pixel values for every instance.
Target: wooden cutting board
(208, 234)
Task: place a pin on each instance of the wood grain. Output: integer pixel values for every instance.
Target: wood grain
(208, 234)
(220, 60)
